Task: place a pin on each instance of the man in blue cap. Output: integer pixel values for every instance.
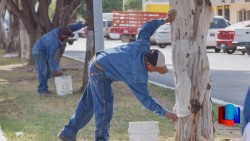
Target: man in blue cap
(44, 54)
(128, 63)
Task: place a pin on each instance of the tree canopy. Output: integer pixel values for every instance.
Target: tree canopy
(133, 5)
(107, 5)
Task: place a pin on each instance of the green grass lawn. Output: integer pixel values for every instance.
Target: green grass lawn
(41, 119)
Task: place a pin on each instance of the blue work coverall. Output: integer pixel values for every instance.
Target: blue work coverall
(44, 54)
(123, 63)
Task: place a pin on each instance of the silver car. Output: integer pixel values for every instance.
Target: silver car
(163, 35)
(152, 38)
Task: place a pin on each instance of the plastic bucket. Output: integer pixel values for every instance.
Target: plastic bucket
(143, 131)
(63, 85)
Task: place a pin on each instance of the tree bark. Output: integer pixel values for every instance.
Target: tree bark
(90, 45)
(191, 70)
(66, 18)
(2, 29)
(25, 50)
(13, 42)
(26, 28)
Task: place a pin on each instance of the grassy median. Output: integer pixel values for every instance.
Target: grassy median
(40, 119)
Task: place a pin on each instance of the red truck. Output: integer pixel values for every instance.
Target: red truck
(126, 24)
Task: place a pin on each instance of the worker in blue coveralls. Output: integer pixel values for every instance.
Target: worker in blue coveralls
(129, 63)
(44, 54)
(246, 111)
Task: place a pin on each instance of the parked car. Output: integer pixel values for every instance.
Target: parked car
(107, 28)
(218, 23)
(242, 37)
(79, 32)
(226, 37)
(6, 30)
(163, 35)
(6, 27)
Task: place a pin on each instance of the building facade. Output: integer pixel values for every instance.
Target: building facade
(155, 5)
(233, 10)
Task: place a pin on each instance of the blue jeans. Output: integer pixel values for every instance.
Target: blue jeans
(97, 99)
(43, 72)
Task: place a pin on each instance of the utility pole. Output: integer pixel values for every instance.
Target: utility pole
(95, 38)
(98, 25)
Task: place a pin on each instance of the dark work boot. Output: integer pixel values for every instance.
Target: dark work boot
(64, 138)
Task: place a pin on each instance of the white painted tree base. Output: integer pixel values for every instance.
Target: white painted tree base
(191, 70)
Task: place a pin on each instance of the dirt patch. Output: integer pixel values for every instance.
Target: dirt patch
(227, 133)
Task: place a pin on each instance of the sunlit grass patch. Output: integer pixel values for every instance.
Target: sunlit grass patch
(9, 60)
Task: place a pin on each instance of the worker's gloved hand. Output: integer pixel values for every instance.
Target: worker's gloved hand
(171, 15)
(55, 73)
(172, 116)
(60, 72)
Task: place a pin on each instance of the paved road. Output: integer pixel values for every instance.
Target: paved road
(230, 74)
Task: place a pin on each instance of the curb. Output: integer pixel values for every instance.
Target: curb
(72, 58)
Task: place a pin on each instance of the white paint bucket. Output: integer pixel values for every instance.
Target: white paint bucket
(143, 131)
(63, 85)
(2, 137)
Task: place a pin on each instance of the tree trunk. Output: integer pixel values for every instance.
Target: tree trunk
(13, 42)
(2, 29)
(191, 70)
(24, 44)
(25, 33)
(90, 45)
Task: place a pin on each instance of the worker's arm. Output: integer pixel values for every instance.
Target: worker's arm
(140, 90)
(149, 28)
(76, 26)
(54, 65)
